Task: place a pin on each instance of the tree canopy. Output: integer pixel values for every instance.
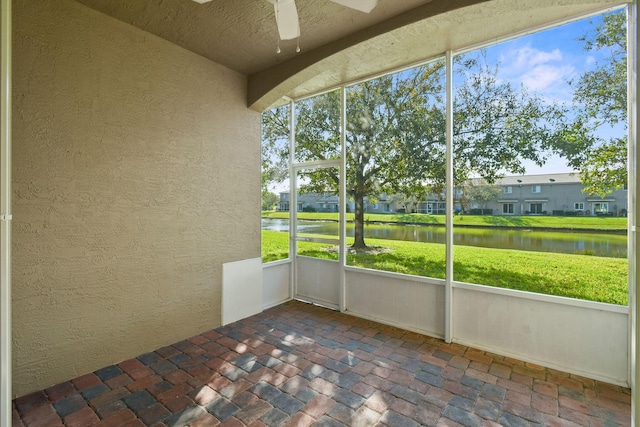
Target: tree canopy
(602, 94)
(395, 132)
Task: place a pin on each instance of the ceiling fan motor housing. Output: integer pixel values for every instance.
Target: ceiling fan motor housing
(287, 14)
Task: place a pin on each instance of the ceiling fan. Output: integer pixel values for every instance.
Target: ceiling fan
(287, 14)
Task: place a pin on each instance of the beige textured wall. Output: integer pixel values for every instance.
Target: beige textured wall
(136, 174)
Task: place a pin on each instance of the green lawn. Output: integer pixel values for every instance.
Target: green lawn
(575, 276)
(575, 222)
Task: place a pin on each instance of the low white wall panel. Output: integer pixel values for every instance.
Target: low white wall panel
(241, 289)
(275, 283)
(318, 280)
(580, 337)
(397, 300)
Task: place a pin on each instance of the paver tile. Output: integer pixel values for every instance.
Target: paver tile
(82, 418)
(60, 391)
(300, 365)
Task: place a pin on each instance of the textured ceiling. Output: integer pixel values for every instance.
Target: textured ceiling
(242, 34)
(338, 44)
(425, 32)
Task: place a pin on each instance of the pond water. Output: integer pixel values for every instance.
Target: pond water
(597, 244)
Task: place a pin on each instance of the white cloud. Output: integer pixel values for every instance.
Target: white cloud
(543, 77)
(589, 61)
(530, 57)
(545, 72)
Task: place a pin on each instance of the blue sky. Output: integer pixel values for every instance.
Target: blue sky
(544, 62)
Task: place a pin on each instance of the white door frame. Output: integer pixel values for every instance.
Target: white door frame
(633, 92)
(5, 214)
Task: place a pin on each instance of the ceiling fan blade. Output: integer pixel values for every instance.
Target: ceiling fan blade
(365, 6)
(286, 19)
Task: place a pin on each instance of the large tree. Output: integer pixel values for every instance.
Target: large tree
(269, 200)
(600, 95)
(275, 147)
(392, 123)
(477, 191)
(395, 132)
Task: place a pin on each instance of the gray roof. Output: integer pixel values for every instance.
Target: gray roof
(556, 178)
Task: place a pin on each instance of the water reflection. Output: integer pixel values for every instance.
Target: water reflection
(598, 244)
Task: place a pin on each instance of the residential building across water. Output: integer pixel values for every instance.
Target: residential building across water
(548, 194)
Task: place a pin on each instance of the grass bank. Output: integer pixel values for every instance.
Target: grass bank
(548, 222)
(574, 276)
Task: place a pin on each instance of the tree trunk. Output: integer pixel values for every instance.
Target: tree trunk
(358, 243)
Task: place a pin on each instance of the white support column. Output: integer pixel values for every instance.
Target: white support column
(633, 93)
(342, 196)
(448, 292)
(5, 214)
(293, 202)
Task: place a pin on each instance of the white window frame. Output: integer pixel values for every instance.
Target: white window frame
(578, 206)
(600, 204)
(507, 190)
(506, 210)
(449, 188)
(531, 205)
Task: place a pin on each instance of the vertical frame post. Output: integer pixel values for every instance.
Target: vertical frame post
(5, 214)
(633, 178)
(293, 202)
(342, 196)
(448, 292)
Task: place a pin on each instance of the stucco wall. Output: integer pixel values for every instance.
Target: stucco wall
(136, 174)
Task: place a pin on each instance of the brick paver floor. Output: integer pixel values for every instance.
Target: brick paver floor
(298, 365)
